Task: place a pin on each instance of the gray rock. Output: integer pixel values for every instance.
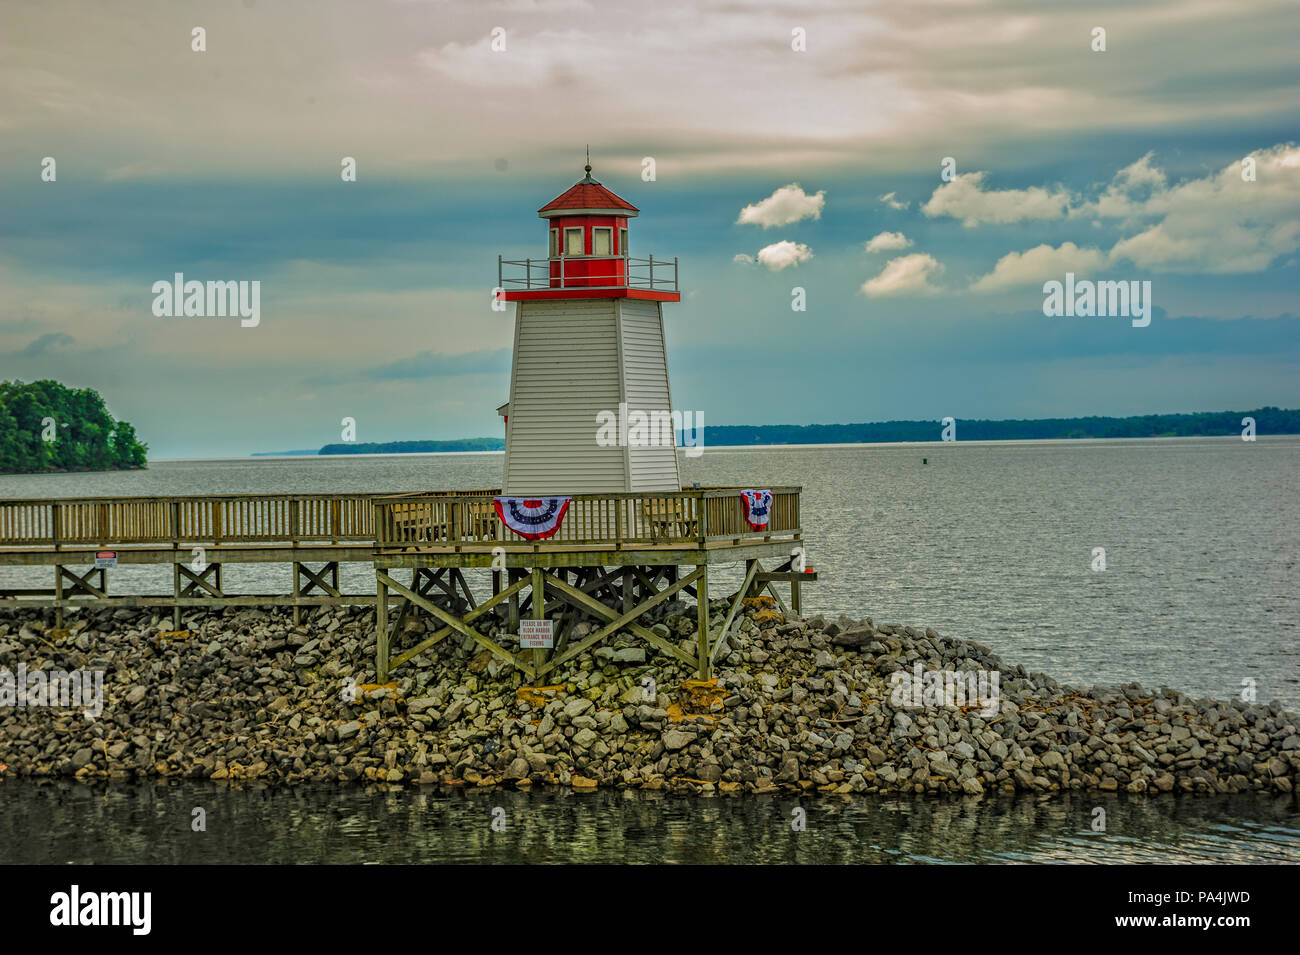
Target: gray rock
(677, 739)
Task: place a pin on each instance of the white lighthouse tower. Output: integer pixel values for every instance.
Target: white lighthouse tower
(589, 344)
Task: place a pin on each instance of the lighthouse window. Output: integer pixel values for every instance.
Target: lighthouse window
(602, 241)
(573, 241)
(555, 242)
(622, 241)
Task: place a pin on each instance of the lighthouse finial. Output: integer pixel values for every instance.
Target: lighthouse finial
(587, 168)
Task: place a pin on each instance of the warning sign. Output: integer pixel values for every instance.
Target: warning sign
(105, 559)
(536, 634)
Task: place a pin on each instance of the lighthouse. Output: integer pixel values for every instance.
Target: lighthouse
(588, 350)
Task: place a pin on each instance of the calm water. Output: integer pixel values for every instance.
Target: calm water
(152, 824)
(991, 542)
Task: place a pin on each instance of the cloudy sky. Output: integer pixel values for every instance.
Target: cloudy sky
(820, 168)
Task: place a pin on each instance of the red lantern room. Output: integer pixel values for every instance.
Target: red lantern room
(587, 253)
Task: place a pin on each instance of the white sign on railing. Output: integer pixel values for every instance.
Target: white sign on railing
(536, 634)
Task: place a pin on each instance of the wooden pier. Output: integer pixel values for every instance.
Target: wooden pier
(614, 557)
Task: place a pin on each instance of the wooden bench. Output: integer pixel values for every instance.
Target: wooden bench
(668, 519)
(475, 520)
(481, 520)
(413, 523)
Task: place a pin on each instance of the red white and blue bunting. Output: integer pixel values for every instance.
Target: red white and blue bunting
(533, 518)
(758, 508)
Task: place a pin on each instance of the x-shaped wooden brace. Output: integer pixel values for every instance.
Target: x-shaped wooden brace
(454, 624)
(315, 579)
(618, 621)
(200, 580)
(82, 585)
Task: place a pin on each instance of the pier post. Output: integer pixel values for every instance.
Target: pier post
(381, 626)
(58, 595)
(702, 621)
(176, 593)
(539, 612)
(297, 592)
(513, 618)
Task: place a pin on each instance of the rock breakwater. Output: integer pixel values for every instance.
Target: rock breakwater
(799, 705)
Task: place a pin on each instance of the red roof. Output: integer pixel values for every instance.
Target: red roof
(587, 194)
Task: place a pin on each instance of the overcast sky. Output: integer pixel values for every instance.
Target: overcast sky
(775, 168)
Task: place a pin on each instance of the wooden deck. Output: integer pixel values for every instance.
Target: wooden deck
(644, 538)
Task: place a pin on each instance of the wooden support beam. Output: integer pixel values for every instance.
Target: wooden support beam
(702, 623)
(176, 594)
(785, 611)
(735, 605)
(512, 615)
(619, 621)
(793, 576)
(403, 608)
(470, 617)
(381, 626)
(200, 580)
(315, 580)
(81, 584)
(539, 612)
(464, 586)
(455, 623)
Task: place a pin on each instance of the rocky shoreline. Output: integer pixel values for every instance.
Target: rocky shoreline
(798, 705)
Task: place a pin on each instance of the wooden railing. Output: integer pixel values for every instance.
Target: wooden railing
(233, 518)
(690, 517)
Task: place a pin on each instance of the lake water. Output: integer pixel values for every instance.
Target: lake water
(987, 541)
(66, 822)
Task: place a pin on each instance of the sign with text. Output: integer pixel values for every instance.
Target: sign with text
(105, 558)
(536, 634)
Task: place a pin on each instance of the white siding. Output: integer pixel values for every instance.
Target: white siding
(645, 375)
(565, 370)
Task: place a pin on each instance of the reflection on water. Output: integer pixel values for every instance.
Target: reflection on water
(68, 822)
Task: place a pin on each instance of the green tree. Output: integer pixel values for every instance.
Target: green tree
(45, 425)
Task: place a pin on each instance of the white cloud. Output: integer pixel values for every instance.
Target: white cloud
(887, 242)
(741, 258)
(966, 198)
(889, 200)
(1128, 190)
(906, 274)
(787, 205)
(784, 254)
(1220, 224)
(1040, 263)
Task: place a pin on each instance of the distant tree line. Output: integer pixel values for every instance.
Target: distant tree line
(416, 447)
(45, 426)
(1267, 421)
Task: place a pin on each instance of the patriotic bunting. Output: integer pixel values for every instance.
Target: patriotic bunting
(533, 518)
(758, 508)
